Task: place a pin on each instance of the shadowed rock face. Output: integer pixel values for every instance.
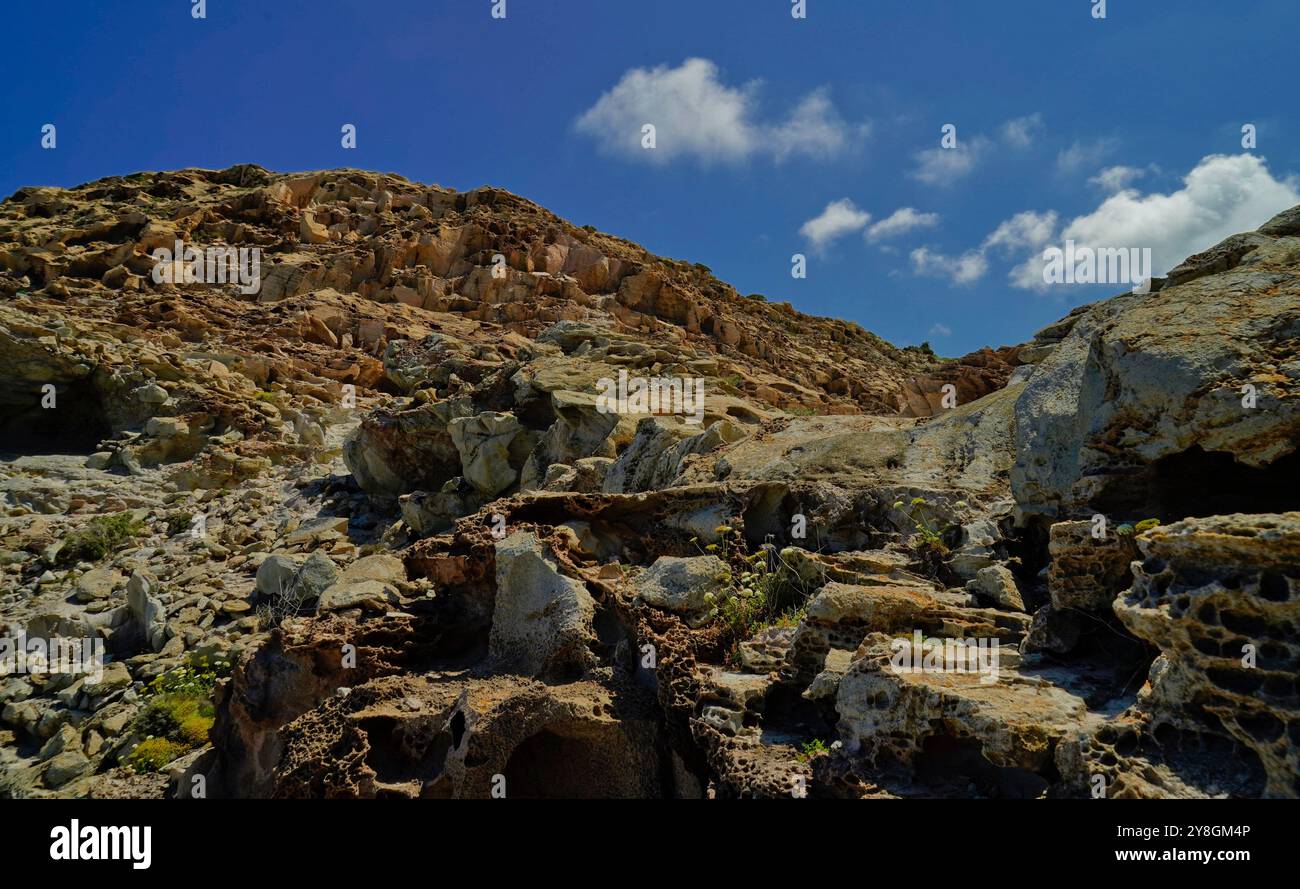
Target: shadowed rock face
(387, 491)
(1146, 399)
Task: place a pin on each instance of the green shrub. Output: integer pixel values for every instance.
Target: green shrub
(177, 715)
(927, 541)
(153, 754)
(815, 747)
(762, 589)
(194, 730)
(178, 522)
(100, 537)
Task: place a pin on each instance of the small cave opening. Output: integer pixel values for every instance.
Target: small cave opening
(405, 752)
(587, 765)
(953, 766)
(1027, 547)
(1201, 483)
(1197, 483)
(74, 423)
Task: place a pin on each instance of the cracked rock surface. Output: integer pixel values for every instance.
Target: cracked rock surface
(381, 505)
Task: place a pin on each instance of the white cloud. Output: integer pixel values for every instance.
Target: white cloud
(838, 219)
(901, 221)
(944, 166)
(1021, 232)
(1020, 132)
(815, 129)
(1223, 195)
(696, 115)
(965, 269)
(1118, 178)
(1024, 230)
(1083, 154)
(939, 329)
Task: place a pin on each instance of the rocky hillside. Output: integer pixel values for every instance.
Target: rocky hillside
(368, 526)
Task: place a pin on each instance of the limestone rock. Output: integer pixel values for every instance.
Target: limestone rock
(484, 444)
(1217, 596)
(65, 767)
(1141, 409)
(276, 573)
(691, 587)
(148, 615)
(998, 584)
(541, 622)
(1086, 572)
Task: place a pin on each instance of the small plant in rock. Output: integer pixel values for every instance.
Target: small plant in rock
(153, 754)
(730, 383)
(811, 750)
(1129, 530)
(927, 538)
(762, 588)
(280, 607)
(178, 522)
(790, 619)
(100, 537)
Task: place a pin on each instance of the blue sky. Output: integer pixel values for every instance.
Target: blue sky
(1124, 131)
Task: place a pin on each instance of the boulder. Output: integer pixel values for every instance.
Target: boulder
(65, 767)
(692, 586)
(541, 621)
(148, 616)
(373, 594)
(98, 583)
(276, 573)
(998, 584)
(1088, 572)
(317, 574)
(484, 444)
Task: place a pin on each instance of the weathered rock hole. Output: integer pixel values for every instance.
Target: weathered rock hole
(1206, 646)
(1245, 624)
(960, 762)
(1263, 727)
(457, 726)
(396, 756)
(1278, 687)
(1274, 587)
(1237, 681)
(548, 765)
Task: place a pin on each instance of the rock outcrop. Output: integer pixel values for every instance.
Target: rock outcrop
(459, 500)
